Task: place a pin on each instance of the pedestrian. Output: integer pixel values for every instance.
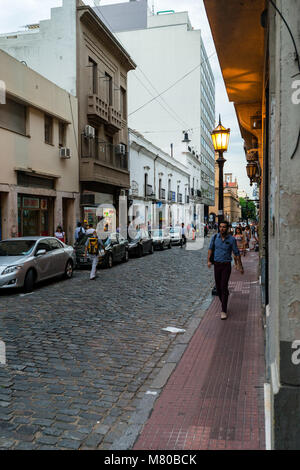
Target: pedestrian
(248, 236)
(79, 232)
(220, 254)
(240, 239)
(90, 230)
(92, 247)
(205, 230)
(183, 235)
(60, 234)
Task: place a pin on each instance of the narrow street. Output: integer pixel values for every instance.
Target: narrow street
(81, 355)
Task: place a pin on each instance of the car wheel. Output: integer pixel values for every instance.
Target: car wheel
(69, 270)
(170, 246)
(29, 281)
(126, 256)
(140, 251)
(162, 246)
(109, 262)
(151, 249)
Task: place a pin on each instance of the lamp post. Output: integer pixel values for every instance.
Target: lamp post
(220, 138)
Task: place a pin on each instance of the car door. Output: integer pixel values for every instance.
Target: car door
(59, 257)
(114, 237)
(43, 263)
(123, 244)
(146, 241)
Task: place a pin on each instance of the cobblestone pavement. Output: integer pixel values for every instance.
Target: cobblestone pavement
(81, 355)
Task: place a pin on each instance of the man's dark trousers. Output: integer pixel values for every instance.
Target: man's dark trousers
(222, 275)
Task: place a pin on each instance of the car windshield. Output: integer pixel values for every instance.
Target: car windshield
(174, 230)
(112, 238)
(157, 233)
(16, 247)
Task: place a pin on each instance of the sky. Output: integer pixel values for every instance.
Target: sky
(15, 14)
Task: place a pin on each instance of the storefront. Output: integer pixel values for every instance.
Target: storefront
(35, 216)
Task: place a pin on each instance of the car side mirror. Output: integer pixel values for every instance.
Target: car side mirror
(41, 253)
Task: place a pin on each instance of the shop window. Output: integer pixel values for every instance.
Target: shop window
(48, 129)
(13, 116)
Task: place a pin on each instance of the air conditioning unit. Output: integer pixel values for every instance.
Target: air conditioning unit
(121, 149)
(89, 132)
(65, 152)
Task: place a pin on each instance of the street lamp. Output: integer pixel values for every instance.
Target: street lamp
(251, 169)
(220, 138)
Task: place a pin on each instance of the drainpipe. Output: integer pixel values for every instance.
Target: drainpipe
(155, 186)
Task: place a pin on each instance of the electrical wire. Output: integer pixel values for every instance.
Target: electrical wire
(160, 94)
(175, 83)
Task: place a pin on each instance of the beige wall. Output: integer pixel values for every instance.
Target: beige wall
(30, 153)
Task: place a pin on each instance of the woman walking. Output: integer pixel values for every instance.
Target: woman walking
(240, 240)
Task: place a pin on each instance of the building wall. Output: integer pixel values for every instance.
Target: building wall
(51, 49)
(170, 45)
(283, 312)
(29, 154)
(146, 158)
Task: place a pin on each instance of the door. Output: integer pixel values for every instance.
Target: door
(44, 263)
(59, 257)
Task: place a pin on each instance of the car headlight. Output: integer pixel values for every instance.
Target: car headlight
(11, 269)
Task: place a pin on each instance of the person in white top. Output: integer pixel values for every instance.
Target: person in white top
(60, 234)
(90, 230)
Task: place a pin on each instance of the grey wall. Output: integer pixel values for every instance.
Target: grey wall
(124, 16)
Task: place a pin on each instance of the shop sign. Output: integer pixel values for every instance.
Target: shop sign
(31, 203)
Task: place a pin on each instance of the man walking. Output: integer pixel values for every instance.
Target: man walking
(221, 247)
(92, 246)
(183, 235)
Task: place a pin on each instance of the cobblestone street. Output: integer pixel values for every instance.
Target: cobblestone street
(81, 355)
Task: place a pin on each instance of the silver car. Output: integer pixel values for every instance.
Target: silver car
(161, 238)
(28, 260)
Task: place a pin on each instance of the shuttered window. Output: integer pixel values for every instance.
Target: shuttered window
(13, 116)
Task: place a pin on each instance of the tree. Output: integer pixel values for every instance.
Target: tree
(248, 209)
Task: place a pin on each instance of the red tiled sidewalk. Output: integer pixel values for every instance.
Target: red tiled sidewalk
(215, 399)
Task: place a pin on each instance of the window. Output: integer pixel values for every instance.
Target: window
(123, 103)
(93, 74)
(62, 131)
(55, 244)
(108, 87)
(13, 116)
(48, 129)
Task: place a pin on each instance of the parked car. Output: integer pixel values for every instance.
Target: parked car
(28, 260)
(161, 239)
(142, 243)
(175, 234)
(116, 249)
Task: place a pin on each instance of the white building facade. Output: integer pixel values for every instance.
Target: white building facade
(160, 187)
(170, 55)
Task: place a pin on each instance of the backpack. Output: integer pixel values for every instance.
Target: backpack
(93, 246)
(80, 234)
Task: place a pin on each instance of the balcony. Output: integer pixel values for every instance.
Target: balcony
(179, 197)
(198, 193)
(162, 194)
(97, 110)
(100, 163)
(114, 119)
